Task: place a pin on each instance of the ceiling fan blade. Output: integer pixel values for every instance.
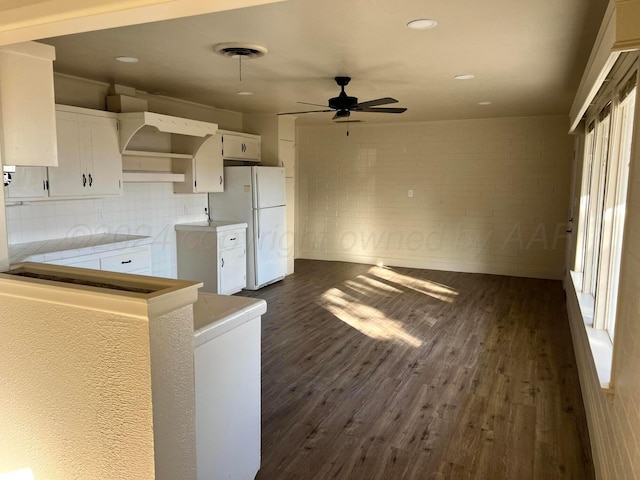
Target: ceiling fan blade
(315, 104)
(383, 110)
(342, 114)
(309, 111)
(374, 103)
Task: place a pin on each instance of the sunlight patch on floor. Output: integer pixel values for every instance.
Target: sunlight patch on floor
(371, 286)
(367, 320)
(426, 287)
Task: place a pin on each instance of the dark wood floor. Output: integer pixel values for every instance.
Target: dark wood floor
(394, 373)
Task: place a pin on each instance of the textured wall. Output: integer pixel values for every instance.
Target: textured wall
(614, 419)
(489, 195)
(75, 392)
(172, 380)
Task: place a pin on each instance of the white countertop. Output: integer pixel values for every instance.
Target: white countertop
(60, 248)
(211, 225)
(214, 315)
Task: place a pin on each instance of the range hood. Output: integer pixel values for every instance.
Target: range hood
(134, 122)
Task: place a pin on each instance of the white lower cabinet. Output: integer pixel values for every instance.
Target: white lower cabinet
(135, 260)
(213, 253)
(233, 269)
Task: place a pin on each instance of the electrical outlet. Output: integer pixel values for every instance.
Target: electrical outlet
(186, 210)
(410, 193)
(100, 215)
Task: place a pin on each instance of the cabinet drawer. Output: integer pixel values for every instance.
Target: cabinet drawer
(232, 239)
(80, 262)
(128, 261)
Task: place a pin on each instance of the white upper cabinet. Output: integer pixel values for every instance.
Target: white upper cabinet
(239, 146)
(27, 183)
(204, 172)
(90, 163)
(27, 105)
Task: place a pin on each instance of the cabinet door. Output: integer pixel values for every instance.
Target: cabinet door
(291, 223)
(233, 146)
(103, 159)
(233, 270)
(252, 148)
(28, 182)
(241, 148)
(208, 166)
(27, 105)
(287, 154)
(68, 178)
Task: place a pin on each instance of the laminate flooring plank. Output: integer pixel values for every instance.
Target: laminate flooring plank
(396, 373)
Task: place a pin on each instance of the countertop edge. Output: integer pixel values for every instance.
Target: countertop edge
(222, 324)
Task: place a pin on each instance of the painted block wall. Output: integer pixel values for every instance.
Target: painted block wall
(150, 209)
(489, 195)
(614, 418)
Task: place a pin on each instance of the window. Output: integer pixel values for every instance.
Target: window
(603, 194)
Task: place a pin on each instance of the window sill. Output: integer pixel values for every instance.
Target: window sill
(599, 341)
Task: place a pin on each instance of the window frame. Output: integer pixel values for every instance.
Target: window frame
(603, 193)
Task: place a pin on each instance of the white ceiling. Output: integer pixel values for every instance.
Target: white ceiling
(527, 56)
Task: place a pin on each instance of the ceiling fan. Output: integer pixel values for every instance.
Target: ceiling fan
(343, 104)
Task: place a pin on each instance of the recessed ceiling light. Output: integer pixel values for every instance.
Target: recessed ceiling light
(422, 24)
(466, 76)
(484, 103)
(244, 93)
(127, 59)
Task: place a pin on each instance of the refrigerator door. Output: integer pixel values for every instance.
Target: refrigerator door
(270, 246)
(268, 187)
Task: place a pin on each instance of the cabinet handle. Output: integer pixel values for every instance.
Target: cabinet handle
(220, 179)
(233, 239)
(44, 184)
(90, 180)
(223, 262)
(126, 261)
(84, 180)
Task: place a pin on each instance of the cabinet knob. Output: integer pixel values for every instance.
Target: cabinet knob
(223, 262)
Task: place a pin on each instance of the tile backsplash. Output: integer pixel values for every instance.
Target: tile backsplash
(149, 209)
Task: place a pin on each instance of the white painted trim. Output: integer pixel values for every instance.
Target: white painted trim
(600, 62)
(53, 18)
(465, 267)
(598, 340)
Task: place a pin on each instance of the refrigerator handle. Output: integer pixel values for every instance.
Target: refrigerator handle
(257, 193)
(258, 222)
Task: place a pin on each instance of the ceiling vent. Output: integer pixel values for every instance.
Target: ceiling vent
(240, 50)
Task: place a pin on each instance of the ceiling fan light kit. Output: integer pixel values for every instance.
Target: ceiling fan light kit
(344, 104)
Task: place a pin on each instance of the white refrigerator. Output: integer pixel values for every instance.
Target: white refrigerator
(256, 196)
